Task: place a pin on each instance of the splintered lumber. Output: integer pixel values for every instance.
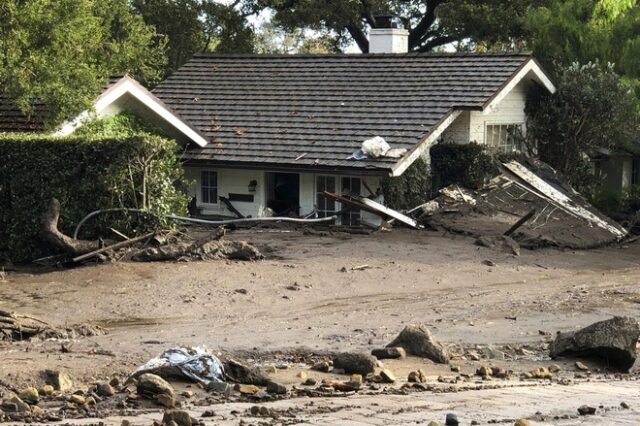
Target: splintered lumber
(231, 207)
(52, 235)
(519, 223)
(116, 246)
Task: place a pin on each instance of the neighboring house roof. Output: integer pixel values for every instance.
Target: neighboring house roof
(314, 111)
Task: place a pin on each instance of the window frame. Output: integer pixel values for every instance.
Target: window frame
(324, 212)
(202, 188)
(502, 148)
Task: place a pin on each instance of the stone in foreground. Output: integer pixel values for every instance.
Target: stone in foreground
(355, 363)
(613, 340)
(417, 340)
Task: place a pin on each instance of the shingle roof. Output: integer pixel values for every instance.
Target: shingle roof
(270, 110)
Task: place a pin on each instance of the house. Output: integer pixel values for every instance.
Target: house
(618, 169)
(271, 133)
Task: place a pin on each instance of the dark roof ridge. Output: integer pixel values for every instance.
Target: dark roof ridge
(361, 55)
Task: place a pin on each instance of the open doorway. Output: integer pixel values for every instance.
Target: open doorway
(283, 193)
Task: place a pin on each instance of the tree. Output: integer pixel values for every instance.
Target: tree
(592, 109)
(431, 23)
(271, 39)
(192, 26)
(60, 52)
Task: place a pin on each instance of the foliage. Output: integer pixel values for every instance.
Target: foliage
(409, 190)
(122, 125)
(60, 52)
(432, 23)
(192, 26)
(84, 174)
(617, 203)
(271, 39)
(468, 165)
(591, 109)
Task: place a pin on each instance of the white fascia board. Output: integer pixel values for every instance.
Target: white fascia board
(119, 90)
(530, 67)
(399, 168)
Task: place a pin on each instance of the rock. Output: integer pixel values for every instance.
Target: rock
(389, 353)
(586, 410)
(310, 382)
(105, 389)
(219, 387)
(433, 424)
(187, 394)
(165, 400)
(417, 377)
(541, 373)
(21, 406)
(150, 385)
(455, 368)
(323, 367)
(580, 366)
(473, 355)
(614, 340)
(346, 386)
(270, 370)
(387, 376)
(240, 373)
(59, 380)
(169, 423)
(492, 353)
(248, 389)
(277, 388)
(451, 420)
(624, 405)
(488, 262)
(47, 390)
(499, 242)
(181, 418)
(499, 372)
(484, 371)
(555, 368)
(30, 395)
(126, 422)
(208, 413)
(77, 399)
(302, 375)
(417, 340)
(356, 378)
(522, 422)
(355, 363)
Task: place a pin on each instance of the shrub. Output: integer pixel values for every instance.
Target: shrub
(84, 174)
(468, 165)
(409, 190)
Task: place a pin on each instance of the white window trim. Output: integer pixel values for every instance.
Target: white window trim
(201, 203)
(501, 123)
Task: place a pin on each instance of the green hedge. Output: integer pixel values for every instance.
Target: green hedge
(84, 173)
(468, 165)
(410, 189)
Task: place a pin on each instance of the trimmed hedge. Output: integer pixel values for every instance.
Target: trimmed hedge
(409, 190)
(84, 173)
(468, 165)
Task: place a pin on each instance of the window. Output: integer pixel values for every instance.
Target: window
(350, 186)
(325, 206)
(635, 171)
(504, 137)
(209, 187)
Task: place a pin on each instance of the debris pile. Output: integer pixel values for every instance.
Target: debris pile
(14, 327)
(528, 203)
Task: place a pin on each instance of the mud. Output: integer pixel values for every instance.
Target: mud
(413, 277)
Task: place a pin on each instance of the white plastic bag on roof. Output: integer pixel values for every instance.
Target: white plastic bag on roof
(375, 147)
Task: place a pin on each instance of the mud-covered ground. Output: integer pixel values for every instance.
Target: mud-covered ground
(321, 294)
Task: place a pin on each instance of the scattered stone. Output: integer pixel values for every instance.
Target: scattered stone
(455, 368)
(355, 363)
(582, 367)
(346, 386)
(302, 375)
(150, 385)
(181, 418)
(488, 262)
(270, 370)
(492, 353)
(47, 390)
(499, 242)
(614, 340)
(541, 373)
(389, 353)
(77, 399)
(417, 377)
(240, 373)
(59, 380)
(165, 400)
(310, 382)
(624, 405)
(208, 413)
(20, 405)
(323, 367)
(105, 389)
(126, 422)
(277, 388)
(220, 387)
(555, 368)
(451, 420)
(30, 395)
(484, 371)
(248, 389)
(473, 355)
(586, 410)
(387, 376)
(417, 340)
(522, 422)
(499, 372)
(356, 378)
(432, 423)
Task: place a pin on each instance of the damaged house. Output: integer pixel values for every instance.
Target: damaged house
(267, 135)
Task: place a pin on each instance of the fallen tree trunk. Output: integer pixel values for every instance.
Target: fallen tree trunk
(59, 241)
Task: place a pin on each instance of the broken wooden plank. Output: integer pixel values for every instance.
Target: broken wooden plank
(230, 206)
(519, 223)
(121, 244)
(389, 212)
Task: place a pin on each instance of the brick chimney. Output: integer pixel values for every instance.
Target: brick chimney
(388, 36)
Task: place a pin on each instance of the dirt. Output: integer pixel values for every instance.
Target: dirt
(314, 295)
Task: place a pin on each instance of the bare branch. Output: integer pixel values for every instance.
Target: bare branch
(359, 37)
(416, 35)
(436, 42)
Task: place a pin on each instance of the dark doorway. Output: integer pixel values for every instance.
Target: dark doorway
(283, 193)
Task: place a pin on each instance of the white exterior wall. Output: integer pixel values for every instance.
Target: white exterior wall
(237, 181)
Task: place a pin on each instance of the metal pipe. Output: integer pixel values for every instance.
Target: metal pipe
(97, 212)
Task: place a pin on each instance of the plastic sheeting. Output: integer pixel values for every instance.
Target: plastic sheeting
(195, 363)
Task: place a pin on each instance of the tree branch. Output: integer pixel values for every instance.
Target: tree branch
(360, 38)
(435, 42)
(417, 33)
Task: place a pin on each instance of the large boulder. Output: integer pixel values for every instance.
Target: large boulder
(355, 363)
(417, 340)
(613, 340)
(155, 387)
